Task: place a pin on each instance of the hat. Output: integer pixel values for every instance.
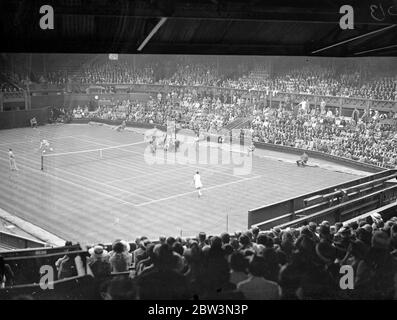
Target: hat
(259, 248)
(325, 223)
(206, 248)
(393, 219)
(97, 252)
(376, 217)
(380, 240)
(388, 225)
(312, 224)
(367, 228)
(126, 245)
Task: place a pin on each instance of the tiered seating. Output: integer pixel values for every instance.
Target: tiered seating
(288, 263)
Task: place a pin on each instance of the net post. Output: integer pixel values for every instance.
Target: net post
(42, 163)
(100, 153)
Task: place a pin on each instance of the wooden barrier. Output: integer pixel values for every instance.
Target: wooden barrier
(17, 119)
(40, 251)
(288, 208)
(320, 155)
(349, 209)
(386, 213)
(74, 288)
(26, 268)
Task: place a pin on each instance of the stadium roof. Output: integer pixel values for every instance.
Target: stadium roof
(244, 27)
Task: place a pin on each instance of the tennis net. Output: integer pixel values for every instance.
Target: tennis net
(64, 159)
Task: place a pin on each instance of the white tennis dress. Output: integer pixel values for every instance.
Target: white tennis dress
(197, 181)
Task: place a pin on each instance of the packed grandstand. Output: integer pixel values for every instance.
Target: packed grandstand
(367, 136)
(293, 263)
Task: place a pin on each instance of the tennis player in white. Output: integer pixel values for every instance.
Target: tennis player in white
(197, 183)
(45, 146)
(13, 164)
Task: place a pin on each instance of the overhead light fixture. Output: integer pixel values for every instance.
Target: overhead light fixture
(355, 38)
(152, 33)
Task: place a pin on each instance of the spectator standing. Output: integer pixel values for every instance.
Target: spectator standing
(99, 263)
(376, 272)
(256, 287)
(120, 259)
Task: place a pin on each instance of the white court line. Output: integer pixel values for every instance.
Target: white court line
(104, 184)
(163, 199)
(144, 174)
(102, 139)
(115, 147)
(185, 164)
(91, 150)
(105, 195)
(128, 202)
(195, 191)
(143, 203)
(89, 179)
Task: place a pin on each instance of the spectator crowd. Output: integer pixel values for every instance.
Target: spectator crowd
(192, 109)
(290, 264)
(200, 103)
(314, 79)
(370, 138)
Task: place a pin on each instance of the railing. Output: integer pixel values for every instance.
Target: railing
(12, 96)
(26, 267)
(386, 212)
(74, 288)
(349, 209)
(34, 252)
(16, 119)
(321, 155)
(327, 207)
(285, 211)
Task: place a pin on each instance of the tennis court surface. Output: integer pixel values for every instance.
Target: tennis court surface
(101, 186)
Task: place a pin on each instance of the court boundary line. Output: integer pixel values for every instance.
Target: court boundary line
(76, 184)
(186, 164)
(128, 202)
(109, 146)
(144, 174)
(90, 150)
(195, 191)
(80, 185)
